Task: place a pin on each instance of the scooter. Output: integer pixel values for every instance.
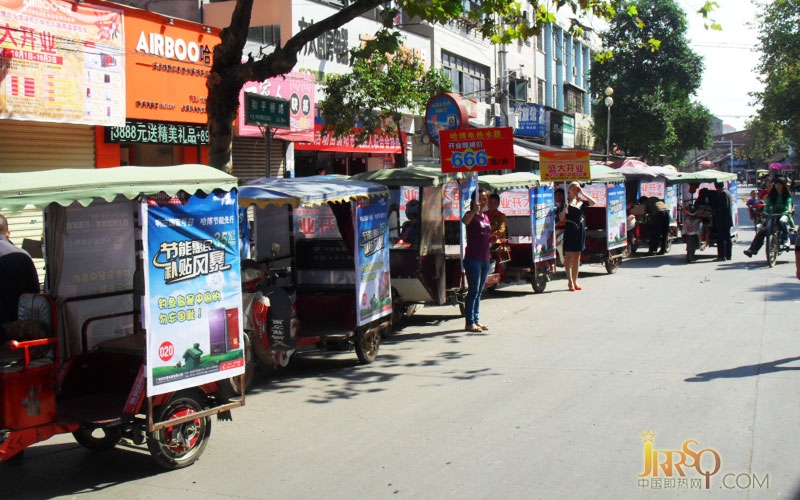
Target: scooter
(696, 231)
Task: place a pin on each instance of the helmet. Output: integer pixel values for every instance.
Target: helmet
(412, 209)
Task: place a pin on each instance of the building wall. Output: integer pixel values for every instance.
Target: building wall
(181, 9)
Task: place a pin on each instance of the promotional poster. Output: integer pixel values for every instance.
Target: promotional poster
(671, 201)
(192, 279)
(372, 259)
(542, 199)
(617, 220)
(515, 202)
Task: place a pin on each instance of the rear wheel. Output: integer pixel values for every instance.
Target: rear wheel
(539, 280)
(367, 344)
(773, 247)
(180, 445)
(691, 248)
(669, 245)
(612, 264)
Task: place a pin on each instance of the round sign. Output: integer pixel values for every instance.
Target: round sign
(444, 112)
(165, 351)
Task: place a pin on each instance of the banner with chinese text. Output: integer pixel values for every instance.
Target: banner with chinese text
(473, 150)
(62, 62)
(543, 219)
(567, 165)
(192, 291)
(372, 259)
(616, 217)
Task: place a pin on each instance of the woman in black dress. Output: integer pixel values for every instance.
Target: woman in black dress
(574, 231)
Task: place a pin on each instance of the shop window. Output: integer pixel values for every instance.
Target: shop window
(469, 78)
(265, 35)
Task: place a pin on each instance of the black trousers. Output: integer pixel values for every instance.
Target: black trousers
(724, 243)
(660, 231)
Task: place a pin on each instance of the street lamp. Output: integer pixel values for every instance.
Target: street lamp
(609, 101)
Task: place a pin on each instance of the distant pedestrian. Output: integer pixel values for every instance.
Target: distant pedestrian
(722, 220)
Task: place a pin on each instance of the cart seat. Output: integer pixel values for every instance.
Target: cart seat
(37, 320)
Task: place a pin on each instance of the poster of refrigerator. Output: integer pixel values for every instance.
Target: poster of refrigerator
(615, 214)
(193, 296)
(733, 187)
(542, 199)
(372, 259)
(671, 201)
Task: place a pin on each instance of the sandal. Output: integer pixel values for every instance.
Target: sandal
(473, 328)
(482, 327)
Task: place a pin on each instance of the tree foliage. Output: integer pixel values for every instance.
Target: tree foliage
(764, 139)
(654, 74)
(779, 35)
(381, 87)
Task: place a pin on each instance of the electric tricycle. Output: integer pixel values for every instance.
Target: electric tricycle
(649, 181)
(321, 246)
(528, 254)
(426, 234)
(140, 316)
(606, 224)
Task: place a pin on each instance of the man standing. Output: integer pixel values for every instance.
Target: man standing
(722, 219)
(17, 275)
(658, 213)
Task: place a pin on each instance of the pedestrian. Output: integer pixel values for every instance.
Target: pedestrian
(496, 217)
(779, 203)
(722, 220)
(658, 219)
(476, 260)
(574, 231)
(559, 198)
(17, 275)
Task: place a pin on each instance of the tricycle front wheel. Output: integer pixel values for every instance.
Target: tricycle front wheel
(180, 445)
(367, 344)
(99, 438)
(612, 264)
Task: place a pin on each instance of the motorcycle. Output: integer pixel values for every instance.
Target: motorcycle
(125, 344)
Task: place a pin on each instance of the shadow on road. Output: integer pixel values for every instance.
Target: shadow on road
(747, 370)
(782, 292)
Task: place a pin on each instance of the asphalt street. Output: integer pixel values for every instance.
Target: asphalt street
(695, 366)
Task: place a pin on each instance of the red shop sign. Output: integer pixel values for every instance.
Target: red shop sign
(476, 149)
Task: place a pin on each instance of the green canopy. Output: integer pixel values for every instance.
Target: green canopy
(701, 176)
(65, 186)
(603, 173)
(420, 175)
(505, 182)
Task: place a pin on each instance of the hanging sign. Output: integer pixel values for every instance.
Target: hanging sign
(567, 165)
(473, 150)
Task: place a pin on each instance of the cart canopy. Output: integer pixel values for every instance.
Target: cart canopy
(505, 182)
(68, 185)
(701, 176)
(603, 173)
(419, 175)
(308, 191)
(647, 173)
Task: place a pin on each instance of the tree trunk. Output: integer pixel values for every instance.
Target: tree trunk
(229, 74)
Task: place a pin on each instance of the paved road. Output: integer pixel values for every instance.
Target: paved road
(551, 403)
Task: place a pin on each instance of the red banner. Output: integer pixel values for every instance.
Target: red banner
(472, 150)
(375, 143)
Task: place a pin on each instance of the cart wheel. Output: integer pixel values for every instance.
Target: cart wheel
(249, 369)
(691, 248)
(398, 311)
(773, 248)
(668, 249)
(612, 265)
(98, 438)
(180, 445)
(367, 344)
(539, 280)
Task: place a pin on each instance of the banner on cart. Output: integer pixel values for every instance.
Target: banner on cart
(617, 225)
(566, 165)
(671, 200)
(733, 187)
(654, 189)
(515, 202)
(193, 290)
(473, 150)
(543, 220)
(372, 259)
(451, 201)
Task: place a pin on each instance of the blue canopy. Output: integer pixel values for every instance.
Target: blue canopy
(308, 191)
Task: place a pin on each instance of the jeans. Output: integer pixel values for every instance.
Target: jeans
(758, 241)
(477, 271)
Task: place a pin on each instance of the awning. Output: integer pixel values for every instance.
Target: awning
(308, 191)
(526, 153)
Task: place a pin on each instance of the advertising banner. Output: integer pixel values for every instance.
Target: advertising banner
(616, 225)
(315, 222)
(733, 187)
(444, 112)
(671, 200)
(532, 121)
(468, 188)
(559, 166)
(451, 202)
(472, 150)
(652, 189)
(515, 202)
(543, 218)
(193, 291)
(167, 68)
(62, 62)
(298, 89)
(372, 259)
(598, 192)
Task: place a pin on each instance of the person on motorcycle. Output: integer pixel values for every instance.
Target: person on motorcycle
(779, 202)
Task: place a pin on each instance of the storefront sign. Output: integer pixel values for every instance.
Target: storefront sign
(568, 129)
(473, 150)
(444, 112)
(167, 68)
(193, 319)
(266, 111)
(559, 166)
(542, 199)
(372, 259)
(298, 89)
(61, 62)
(374, 144)
(147, 132)
(531, 120)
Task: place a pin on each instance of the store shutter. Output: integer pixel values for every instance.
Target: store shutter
(43, 146)
(249, 158)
